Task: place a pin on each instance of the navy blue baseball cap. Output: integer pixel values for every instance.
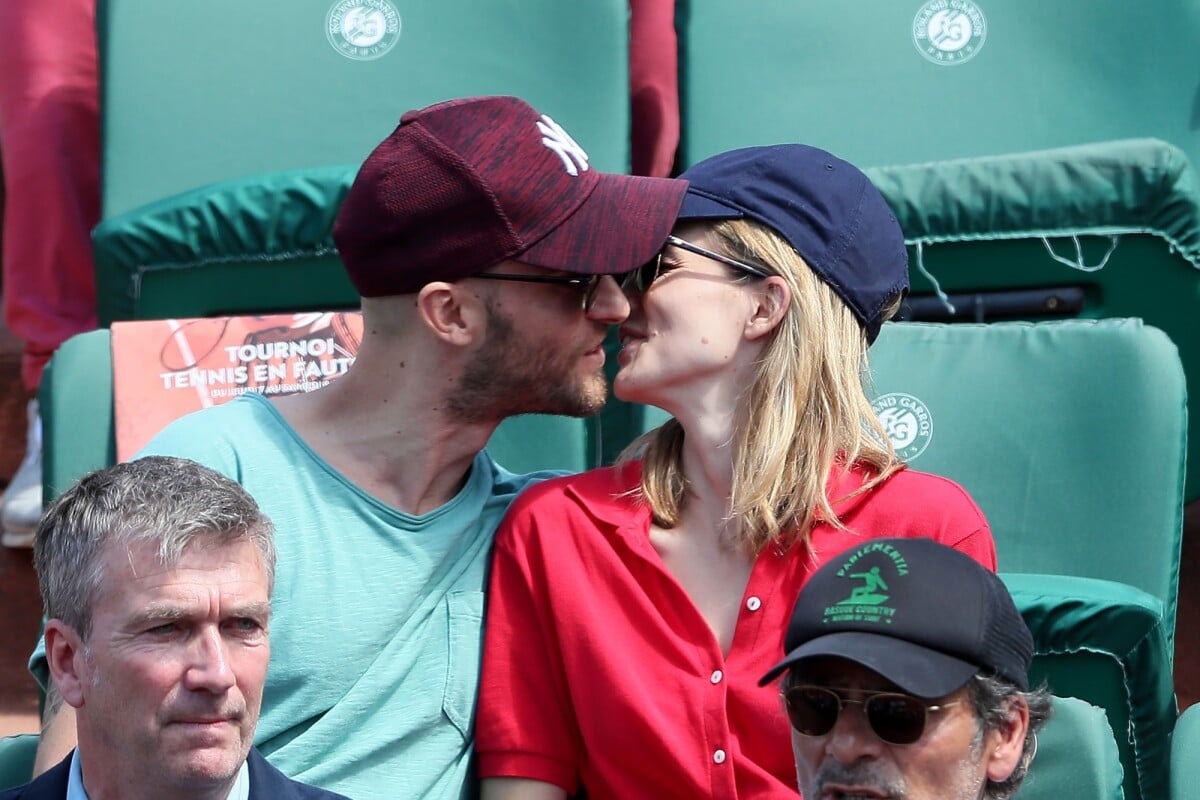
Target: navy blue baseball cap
(826, 208)
(923, 615)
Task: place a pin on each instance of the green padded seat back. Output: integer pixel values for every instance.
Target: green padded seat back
(197, 93)
(1076, 756)
(854, 80)
(1000, 235)
(1069, 435)
(1185, 755)
(76, 403)
(1105, 643)
(78, 434)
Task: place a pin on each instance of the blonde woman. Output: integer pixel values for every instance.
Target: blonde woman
(633, 609)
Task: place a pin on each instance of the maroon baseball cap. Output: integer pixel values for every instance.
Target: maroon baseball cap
(463, 185)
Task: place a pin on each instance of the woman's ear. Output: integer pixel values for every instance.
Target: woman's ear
(455, 314)
(771, 303)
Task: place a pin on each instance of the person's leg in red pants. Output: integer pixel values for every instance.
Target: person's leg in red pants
(50, 143)
(654, 86)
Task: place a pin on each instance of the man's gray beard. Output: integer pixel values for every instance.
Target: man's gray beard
(509, 376)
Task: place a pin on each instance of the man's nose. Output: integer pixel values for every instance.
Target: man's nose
(610, 305)
(852, 737)
(209, 666)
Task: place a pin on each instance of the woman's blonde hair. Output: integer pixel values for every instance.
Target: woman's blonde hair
(804, 413)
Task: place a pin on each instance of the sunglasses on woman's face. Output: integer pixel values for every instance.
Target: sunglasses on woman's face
(640, 279)
(894, 717)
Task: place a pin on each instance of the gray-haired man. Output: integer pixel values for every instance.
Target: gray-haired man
(156, 577)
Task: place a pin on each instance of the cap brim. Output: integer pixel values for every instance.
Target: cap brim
(915, 669)
(622, 224)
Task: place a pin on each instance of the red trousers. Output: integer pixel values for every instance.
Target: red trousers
(653, 86)
(50, 143)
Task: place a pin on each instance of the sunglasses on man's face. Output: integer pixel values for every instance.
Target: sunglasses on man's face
(640, 279)
(589, 284)
(894, 717)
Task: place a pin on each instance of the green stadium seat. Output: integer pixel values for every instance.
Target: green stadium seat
(867, 83)
(1185, 755)
(76, 398)
(1070, 436)
(1000, 234)
(199, 93)
(1076, 756)
(1104, 642)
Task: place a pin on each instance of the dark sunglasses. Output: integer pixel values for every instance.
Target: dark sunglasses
(895, 718)
(640, 279)
(589, 284)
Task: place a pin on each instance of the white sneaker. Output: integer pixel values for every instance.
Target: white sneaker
(21, 509)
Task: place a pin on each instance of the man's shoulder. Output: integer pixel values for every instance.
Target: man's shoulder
(247, 410)
(216, 433)
(268, 783)
(50, 785)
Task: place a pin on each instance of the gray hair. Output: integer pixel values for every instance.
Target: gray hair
(992, 699)
(159, 500)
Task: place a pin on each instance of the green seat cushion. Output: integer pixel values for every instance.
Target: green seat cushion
(1105, 643)
(259, 244)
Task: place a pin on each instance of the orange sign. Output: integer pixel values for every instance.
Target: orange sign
(163, 369)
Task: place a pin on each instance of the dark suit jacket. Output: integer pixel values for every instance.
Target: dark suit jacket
(266, 783)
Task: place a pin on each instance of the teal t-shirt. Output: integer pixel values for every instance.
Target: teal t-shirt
(377, 615)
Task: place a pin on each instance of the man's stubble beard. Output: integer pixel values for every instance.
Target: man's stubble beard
(510, 375)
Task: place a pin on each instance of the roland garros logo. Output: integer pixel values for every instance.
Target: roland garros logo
(363, 29)
(949, 32)
(907, 422)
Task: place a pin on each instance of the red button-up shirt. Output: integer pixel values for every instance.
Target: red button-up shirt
(599, 669)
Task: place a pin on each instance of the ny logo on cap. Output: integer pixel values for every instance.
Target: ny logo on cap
(574, 159)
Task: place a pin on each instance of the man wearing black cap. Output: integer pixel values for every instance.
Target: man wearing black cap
(483, 244)
(907, 676)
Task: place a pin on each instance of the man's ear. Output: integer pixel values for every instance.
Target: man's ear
(67, 661)
(452, 312)
(1007, 743)
(771, 302)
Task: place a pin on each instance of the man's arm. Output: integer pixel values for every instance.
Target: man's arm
(58, 732)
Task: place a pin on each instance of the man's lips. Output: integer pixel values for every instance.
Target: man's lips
(232, 716)
(845, 792)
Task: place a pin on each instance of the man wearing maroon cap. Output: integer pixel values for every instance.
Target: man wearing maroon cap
(483, 244)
